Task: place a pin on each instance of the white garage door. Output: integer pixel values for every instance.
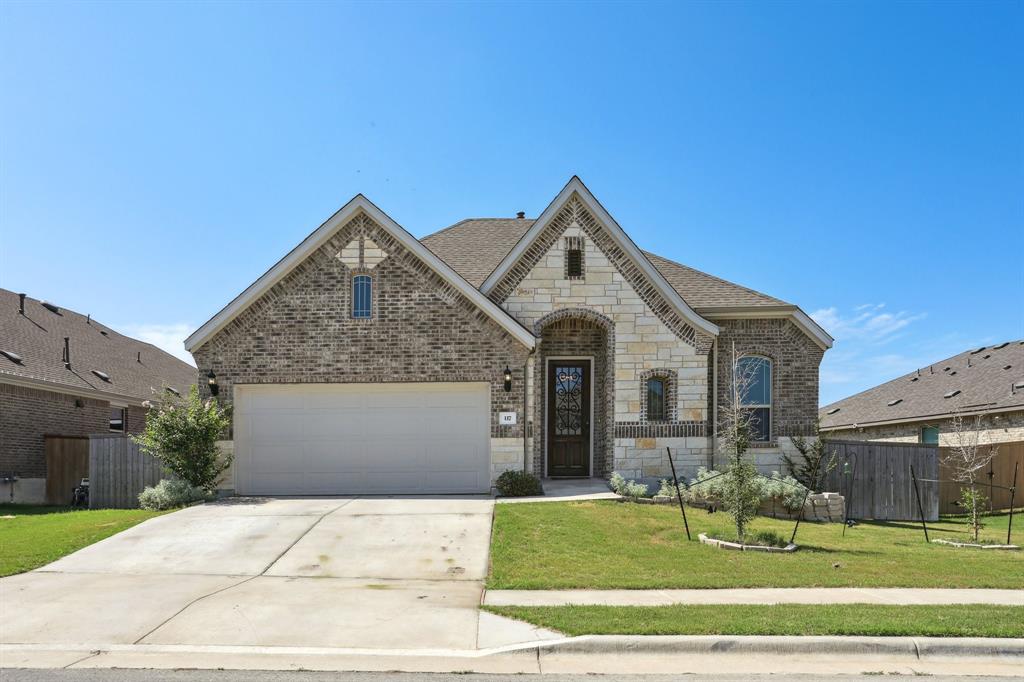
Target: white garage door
(322, 439)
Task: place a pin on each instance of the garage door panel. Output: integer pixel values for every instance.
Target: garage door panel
(362, 438)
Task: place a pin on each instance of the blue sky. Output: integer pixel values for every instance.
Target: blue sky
(863, 160)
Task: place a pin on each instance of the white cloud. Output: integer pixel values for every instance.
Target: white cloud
(868, 323)
(168, 337)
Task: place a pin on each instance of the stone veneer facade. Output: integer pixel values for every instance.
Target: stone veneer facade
(1004, 427)
(423, 329)
(28, 415)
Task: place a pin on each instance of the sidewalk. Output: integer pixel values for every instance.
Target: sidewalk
(797, 595)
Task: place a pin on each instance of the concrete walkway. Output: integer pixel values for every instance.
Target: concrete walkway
(797, 595)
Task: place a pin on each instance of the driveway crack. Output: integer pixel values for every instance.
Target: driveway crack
(242, 582)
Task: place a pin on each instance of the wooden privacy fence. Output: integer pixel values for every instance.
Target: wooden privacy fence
(67, 463)
(118, 472)
(998, 473)
(878, 485)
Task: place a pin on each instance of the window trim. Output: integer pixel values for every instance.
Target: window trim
(124, 419)
(670, 383)
(920, 435)
(366, 279)
(770, 431)
(663, 381)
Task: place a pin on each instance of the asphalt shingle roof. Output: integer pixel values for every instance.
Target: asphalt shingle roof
(475, 247)
(986, 384)
(38, 338)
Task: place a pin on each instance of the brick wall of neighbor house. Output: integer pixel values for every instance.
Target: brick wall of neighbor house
(795, 361)
(647, 334)
(1006, 427)
(29, 414)
(422, 330)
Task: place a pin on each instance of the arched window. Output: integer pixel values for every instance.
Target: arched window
(754, 375)
(656, 399)
(362, 296)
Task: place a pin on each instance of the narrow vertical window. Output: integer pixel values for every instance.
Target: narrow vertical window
(656, 400)
(362, 296)
(930, 435)
(117, 419)
(756, 376)
(574, 257)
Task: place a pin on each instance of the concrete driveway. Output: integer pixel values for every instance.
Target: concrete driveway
(399, 573)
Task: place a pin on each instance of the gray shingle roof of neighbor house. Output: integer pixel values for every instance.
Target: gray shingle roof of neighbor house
(986, 379)
(103, 362)
(474, 248)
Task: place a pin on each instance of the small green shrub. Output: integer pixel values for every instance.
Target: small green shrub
(518, 484)
(168, 494)
(630, 489)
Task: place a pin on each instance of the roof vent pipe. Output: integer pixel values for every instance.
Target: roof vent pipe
(138, 356)
(520, 215)
(21, 303)
(67, 352)
(88, 318)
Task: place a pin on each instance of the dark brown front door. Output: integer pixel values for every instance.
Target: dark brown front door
(568, 418)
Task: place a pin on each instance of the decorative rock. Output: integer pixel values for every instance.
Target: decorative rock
(973, 545)
(725, 544)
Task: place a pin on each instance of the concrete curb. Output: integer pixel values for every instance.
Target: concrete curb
(917, 647)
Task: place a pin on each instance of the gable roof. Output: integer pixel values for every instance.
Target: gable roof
(984, 385)
(38, 338)
(704, 291)
(576, 187)
(321, 235)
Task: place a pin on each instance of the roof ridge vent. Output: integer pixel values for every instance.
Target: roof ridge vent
(1004, 344)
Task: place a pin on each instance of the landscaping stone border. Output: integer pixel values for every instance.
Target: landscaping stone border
(973, 545)
(725, 544)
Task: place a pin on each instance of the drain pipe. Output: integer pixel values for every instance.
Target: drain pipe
(714, 404)
(526, 395)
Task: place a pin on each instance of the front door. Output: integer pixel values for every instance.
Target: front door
(568, 417)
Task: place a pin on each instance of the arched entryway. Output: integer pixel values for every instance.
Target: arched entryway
(574, 392)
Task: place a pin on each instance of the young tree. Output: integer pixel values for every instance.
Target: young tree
(741, 484)
(183, 433)
(965, 458)
(814, 463)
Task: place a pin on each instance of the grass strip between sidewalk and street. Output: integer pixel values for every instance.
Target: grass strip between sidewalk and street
(607, 545)
(953, 620)
(32, 536)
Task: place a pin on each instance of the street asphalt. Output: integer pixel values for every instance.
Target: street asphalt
(101, 675)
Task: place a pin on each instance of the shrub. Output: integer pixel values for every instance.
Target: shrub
(183, 433)
(630, 489)
(518, 484)
(168, 494)
(787, 490)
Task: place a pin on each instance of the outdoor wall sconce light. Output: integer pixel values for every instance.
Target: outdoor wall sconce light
(508, 380)
(211, 380)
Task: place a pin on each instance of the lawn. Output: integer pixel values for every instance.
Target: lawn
(607, 544)
(31, 537)
(975, 620)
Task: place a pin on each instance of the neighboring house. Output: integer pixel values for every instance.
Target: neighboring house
(64, 374)
(369, 361)
(918, 407)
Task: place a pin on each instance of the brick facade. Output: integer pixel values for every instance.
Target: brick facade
(422, 330)
(27, 415)
(1005, 427)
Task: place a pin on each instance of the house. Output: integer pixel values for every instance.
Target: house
(65, 374)
(919, 407)
(367, 361)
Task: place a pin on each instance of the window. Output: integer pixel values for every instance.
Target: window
(757, 373)
(574, 257)
(117, 419)
(362, 289)
(930, 435)
(656, 400)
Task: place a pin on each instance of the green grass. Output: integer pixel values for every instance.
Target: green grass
(974, 620)
(606, 545)
(35, 536)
